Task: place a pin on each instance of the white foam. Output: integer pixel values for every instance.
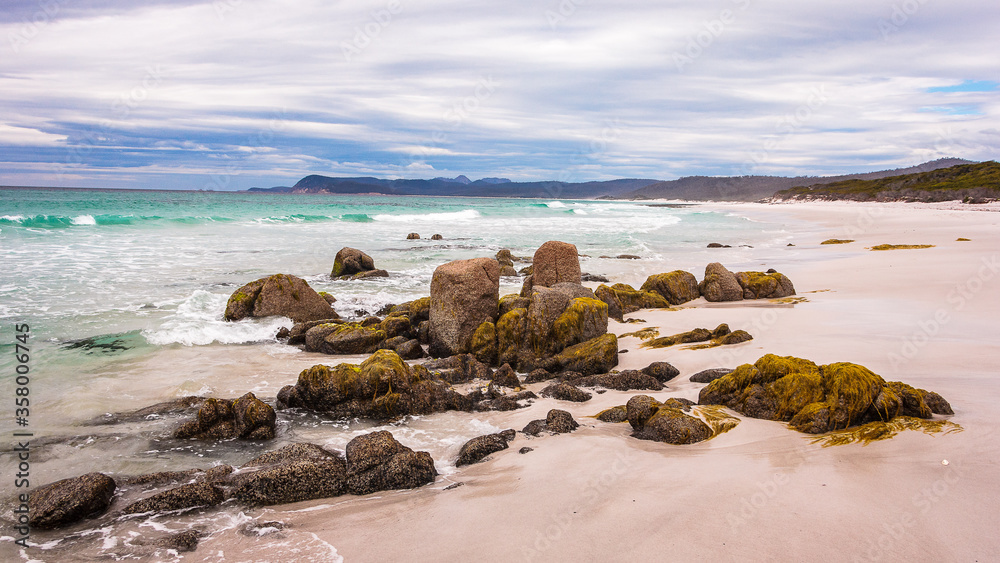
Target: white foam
(198, 322)
(13, 218)
(84, 220)
(464, 215)
(555, 205)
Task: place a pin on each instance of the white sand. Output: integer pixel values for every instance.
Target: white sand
(761, 491)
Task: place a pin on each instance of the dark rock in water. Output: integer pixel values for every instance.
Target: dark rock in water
(593, 278)
(282, 333)
(676, 287)
(181, 542)
(720, 284)
(628, 257)
(814, 399)
(280, 294)
(70, 500)
(508, 434)
(508, 271)
(350, 261)
(256, 528)
(478, 448)
(383, 387)
(614, 414)
(299, 451)
(247, 418)
(661, 371)
(505, 376)
(186, 496)
(377, 462)
(718, 245)
(464, 295)
(710, 375)
(626, 380)
(291, 481)
(534, 428)
(176, 406)
(525, 450)
(503, 402)
(566, 392)
(370, 274)
(297, 334)
(344, 338)
(554, 262)
(538, 375)
(158, 478)
(329, 298)
(758, 285)
(436, 236)
(413, 236)
(460, 368)
(217, 474)
(639, 409)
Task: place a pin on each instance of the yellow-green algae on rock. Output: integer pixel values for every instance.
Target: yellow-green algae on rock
(901, 246)
(875, 431)
(837, 241)
(817, 399)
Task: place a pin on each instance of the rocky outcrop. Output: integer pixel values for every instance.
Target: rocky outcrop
(70, 500)
(505, 376)
(627, 380)
(294, 473)
(760, 285)
(246, 418)
(554, 262)
(817, 399)
(676, 287)
(630, 299)
(710, 375)
(377, 462)
(611, 299)
(382, 387)
(720, 284)
(662, 422)
(556, 422)
(464, 295)
(460, 368)
(191, 495)
(282, 295)
(594, 356)
(344, 338)
(476, 449)
(351, 261)
(566, 392)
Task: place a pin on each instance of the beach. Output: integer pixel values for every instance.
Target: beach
(761, 491)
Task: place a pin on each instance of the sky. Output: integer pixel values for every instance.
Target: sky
(233, 94)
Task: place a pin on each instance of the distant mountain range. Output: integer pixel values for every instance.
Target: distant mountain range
(738, 188)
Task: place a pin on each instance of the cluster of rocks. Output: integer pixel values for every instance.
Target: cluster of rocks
(817, 399)
(677, 287)
(246, 418)
(297, 472)
(416, 236)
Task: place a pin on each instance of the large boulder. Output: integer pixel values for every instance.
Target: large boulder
(70, 500)
(720, 284)
(246, 418)
(464, 295)
(344, 338)
(816, 399)
(280, 294)
(626, 380)
(611, 299)
(350, 261)
(554, 262)
(760, 285)
(632, 299)
(597, 355)
(676, 287)
(186, 496)
(292, 479)
(383, 387)
(377, 462)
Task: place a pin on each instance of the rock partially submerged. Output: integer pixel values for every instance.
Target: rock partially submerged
(282, 295)
(377, 462)
(246, 418)
(566, 392)
(816, 399)
(478, 448)
(721, 336)
(671, 421)
(350, 262)
(68, 501)
(555, 422)
(192, 495)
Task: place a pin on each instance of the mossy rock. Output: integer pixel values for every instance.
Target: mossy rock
(837, 241)
(484, 343)
(420, 310)
(597, 355)
(346, 338)
(760, 285)
(901, 246)
(676, 287)
(511, 336)
(280, 294)
(582, 320)
(614, 414)
(611, 299)
(513, 301)
(633, 300)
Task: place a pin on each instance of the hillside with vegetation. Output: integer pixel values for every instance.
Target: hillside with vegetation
(972, 183)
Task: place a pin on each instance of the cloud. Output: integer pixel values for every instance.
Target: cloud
(174, 93)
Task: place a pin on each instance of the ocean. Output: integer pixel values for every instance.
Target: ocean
(124, 293)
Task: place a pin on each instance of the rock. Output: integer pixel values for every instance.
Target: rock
(460, 368)
(758, 285)
(661, 371)
(593, 278)
(297, 334)
(610, 298)
(501, 402)
(710, 375)
(633, 300)
(673, 426)
(505, 258)
(525, 450)
(573, 290)
(735, 337)
(556, 422)
(538, 375)
(508, 271)
(464, 295)
(627, 380)
(555, 262)
(383, 387)
(437, 236)
(505, 376)
(413, 236)
(350, 261)
(484, 343)
(720, 284)
(344, 338)
(614, 414)
(246, 418)
(566, 392)
(293, 480)
(280, 294)
(329, 298)
(377, 462)
(813, 399)
(186, 496)
(513, 301)
(936, 403)
(478, 448)
(676, 287)
(594, 356)
(370, 274)
(217, 474)
(639, 409)
(695, 335)
(396, 324)
(419, 310)
(181, 542)
(68, 501)
(718, 245)
(299, 451)
(628, 257)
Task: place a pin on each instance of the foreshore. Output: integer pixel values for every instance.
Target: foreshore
(761, 491)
